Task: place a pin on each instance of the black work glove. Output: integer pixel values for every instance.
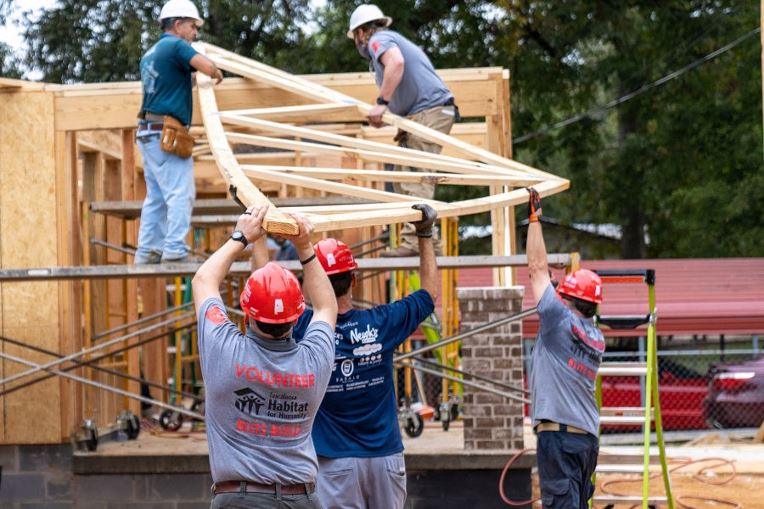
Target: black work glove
(429, 215)
(534, 206)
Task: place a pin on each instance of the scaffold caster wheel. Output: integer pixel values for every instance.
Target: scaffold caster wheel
(171, 420)
(91, 435)
(132, 426)
(414, 426)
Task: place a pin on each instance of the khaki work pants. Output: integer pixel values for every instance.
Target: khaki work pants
(441, 119)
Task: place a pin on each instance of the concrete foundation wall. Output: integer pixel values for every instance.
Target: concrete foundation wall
(49, 477)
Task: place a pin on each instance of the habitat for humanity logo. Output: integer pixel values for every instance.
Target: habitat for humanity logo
(249, 399)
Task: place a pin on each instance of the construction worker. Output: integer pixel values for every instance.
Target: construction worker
(564, 365)
(356, 432)
(408, 86)
(262, 389)
(166, 74)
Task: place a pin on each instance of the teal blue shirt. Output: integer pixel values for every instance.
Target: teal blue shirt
(166, 78)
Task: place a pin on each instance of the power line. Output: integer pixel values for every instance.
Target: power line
(641, 90)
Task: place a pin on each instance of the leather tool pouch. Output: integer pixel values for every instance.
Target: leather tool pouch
(175, 138)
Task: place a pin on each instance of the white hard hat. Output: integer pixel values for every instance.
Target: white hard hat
(180, 9)
(365, 13)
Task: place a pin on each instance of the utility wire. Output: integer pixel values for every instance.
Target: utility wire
(641, 90)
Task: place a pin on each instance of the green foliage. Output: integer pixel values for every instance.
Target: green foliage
(680, 165)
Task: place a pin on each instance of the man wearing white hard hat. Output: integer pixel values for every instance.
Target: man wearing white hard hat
(167, 77)
(409, 87)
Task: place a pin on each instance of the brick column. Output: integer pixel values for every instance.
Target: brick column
(492, 421)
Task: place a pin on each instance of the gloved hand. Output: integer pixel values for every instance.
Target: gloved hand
(429, 215)
(534, 206)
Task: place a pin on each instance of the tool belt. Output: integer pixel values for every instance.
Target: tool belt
(553, 426)
(253, 487)
(175, 138)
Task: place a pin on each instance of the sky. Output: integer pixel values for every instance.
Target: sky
(9, 33)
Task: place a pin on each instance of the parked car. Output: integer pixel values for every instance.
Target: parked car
(735, 395)
(682, 391)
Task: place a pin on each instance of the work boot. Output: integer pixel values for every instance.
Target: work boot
(150, 258)
(189, 258)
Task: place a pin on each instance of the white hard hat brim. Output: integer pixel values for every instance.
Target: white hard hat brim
(387, 19)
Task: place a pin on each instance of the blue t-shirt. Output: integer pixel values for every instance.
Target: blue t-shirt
(359, 414)
(564, 365)
(166, 78)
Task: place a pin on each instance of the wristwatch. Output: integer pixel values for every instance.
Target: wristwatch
(382, 102)
(238, 236)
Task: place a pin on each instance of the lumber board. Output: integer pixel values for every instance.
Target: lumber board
(45, 275)
(373, 146)
(69, 253)
(305, 113)
(273, 174)
(131, 209)
(330, 222)
(246, 192)
(395, 176)
(404, 157)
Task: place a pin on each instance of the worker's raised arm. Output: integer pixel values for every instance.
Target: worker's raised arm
(535, 249)
(203, 64)
(207, 280)
(260, 253)
(315, 283)
(428, 266)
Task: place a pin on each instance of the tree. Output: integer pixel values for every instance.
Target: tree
(99, 41)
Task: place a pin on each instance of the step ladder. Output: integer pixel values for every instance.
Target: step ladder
(650, 413)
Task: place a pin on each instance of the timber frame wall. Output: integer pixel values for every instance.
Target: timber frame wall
(62, 146)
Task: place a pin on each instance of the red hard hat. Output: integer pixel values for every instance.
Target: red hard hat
(272, 295)
(335, 256)
(582, 284)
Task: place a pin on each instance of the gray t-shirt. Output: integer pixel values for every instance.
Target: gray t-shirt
(420, 88)
(564, 366)
(261, 398)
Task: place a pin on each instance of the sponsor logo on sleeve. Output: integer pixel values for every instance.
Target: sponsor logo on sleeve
(375, 47)
(215, 315)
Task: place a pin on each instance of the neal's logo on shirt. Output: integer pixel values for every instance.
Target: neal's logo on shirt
(375, 47)
(248, 399)
(365, 336)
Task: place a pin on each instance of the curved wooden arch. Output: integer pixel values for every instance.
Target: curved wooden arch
(476, 167)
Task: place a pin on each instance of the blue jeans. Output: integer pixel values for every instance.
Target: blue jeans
(166, 213)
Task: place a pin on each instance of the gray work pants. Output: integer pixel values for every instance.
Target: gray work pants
(362, 483)
(441, 119)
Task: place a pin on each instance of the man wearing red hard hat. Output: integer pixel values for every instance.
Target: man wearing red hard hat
(262, 389)
(356, 433)
(564, 365)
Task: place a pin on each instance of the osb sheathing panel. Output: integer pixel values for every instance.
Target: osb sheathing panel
(27, 239)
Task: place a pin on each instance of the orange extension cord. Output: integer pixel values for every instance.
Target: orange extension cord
(683, 501)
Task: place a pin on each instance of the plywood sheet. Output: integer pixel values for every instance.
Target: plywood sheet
(27, 219)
